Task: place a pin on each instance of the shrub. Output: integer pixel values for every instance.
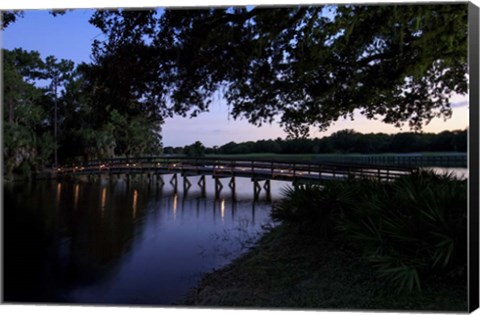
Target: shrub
(312, 208)
(412, 228)
(409, 230)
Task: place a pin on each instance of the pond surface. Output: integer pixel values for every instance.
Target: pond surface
(112, 243)
(456, 172)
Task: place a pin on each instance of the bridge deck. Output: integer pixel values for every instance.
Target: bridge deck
(256, 170)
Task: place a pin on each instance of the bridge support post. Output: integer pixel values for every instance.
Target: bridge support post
(201, 183)
(266, 186)
(174, 181)
(256, 189)
(186, 184)
(232, 186)
(160, 181)
(218, 187)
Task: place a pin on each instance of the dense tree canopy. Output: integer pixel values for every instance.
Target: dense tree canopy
(26, 141)
(300, 66)
(304, 66)
(9, 17)
(50, 105)
(349, 141)
(341, 142)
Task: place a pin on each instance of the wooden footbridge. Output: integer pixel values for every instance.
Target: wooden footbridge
(258, 171)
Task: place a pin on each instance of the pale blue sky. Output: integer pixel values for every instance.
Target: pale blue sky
(70, 37)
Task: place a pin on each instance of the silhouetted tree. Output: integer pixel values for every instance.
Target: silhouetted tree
(304, 65)
(195, 150)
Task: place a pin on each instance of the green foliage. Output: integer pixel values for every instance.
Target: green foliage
(23, 113)
(349, 141)
(409, 230)
(313, 209)
(197, 149)
(303, 65)
(46, 146)
(9, 17)
(19, 146)
(414, 227)
(74, 114)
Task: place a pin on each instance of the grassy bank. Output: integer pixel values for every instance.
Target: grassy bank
(289, 270)
(358, 244)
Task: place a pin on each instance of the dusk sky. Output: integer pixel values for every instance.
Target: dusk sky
(70, 37)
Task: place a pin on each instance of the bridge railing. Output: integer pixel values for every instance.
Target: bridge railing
(274, 169)
(415, 160)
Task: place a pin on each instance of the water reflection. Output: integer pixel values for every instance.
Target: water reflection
(127, 244)
(104, 200)
(134, 205)
(222, 209)
(75, 196)
(101, 255)
(119, 243)
(59, 190)
(175, 200)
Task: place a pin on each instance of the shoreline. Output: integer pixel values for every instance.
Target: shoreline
(290, 270)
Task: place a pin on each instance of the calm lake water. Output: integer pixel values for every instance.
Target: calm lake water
(102, 243)
(112, 243)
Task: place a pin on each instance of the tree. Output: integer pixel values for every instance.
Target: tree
(26, 142)
(168, 150)
(460, 140)
(405, 142)
(196, 149)
(9, 17)
(307, 65)
(58, 72)
(227, 148)
(117, 90)
(344, 140)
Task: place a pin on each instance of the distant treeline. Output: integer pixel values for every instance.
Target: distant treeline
(344, 141)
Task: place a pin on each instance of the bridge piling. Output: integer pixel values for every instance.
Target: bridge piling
(266, 186)
(256, 189)
(201, 184)
(232, 186)
(160, 181)
(174, 181)
(186, 183)
(218, 187)
(291, 171)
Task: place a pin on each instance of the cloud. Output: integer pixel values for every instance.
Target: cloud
(220, 131)
(459, 104)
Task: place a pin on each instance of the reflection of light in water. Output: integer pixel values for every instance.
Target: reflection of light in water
(175, 199)
(75, 195)
(134, 206)
(104, 199)
(222, 209)
(59, 189)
